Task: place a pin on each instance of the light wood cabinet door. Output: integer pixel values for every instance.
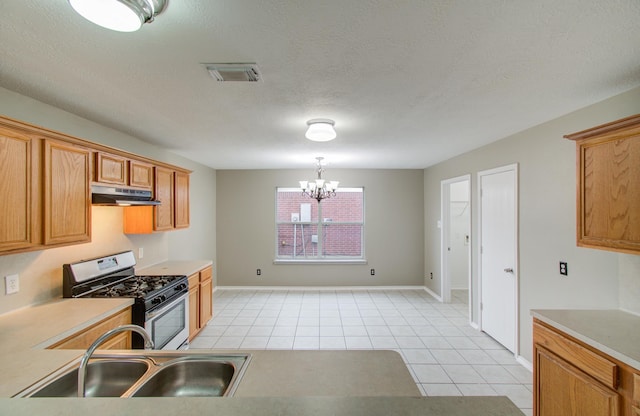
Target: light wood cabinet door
(181, 200)
(194, 305)
(608, 186)
(17, 188)
(562, 389)
(67, 199)
(111, 169)
(163, 213)
(206, 301)
(140, 174)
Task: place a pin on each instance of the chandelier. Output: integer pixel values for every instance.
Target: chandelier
(319, 188)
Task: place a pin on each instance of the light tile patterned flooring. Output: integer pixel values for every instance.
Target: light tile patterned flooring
(444, 354)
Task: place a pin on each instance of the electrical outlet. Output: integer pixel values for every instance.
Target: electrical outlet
(373, 272)
(140, 252)
(431, 275)
(259, 272)
(563, 268)
(12, 284)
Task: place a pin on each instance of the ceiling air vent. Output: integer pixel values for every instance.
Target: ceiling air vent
(234, 72)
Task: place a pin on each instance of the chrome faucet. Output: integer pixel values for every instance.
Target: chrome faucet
(82, 369)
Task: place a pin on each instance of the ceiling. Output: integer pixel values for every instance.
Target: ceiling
(409, 83)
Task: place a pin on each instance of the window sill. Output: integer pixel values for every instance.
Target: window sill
(319, 261)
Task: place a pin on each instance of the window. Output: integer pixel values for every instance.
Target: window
(332, 230)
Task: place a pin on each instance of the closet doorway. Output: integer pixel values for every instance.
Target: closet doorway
(456, 238)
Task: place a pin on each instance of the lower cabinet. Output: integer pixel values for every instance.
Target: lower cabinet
(83, 339)
(572, 378)
(200, 300)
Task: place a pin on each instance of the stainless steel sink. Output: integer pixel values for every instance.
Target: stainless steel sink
(179, 374)
(105, 378)
(189, 378)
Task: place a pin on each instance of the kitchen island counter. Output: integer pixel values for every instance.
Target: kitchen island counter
(266, 406)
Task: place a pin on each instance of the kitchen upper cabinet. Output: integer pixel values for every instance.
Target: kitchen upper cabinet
(181, 200)
(608, 186)
(111, 169)
(118, 170)
(45, 198)
(172, 190)
(164, 192)
(67, 198)
(18, 226)
(140, 174)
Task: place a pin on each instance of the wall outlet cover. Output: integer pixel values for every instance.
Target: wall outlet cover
(12, 284)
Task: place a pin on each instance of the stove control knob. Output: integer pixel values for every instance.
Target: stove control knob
(180, 287)
(158, 299)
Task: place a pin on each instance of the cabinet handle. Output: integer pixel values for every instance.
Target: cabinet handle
(508, 270)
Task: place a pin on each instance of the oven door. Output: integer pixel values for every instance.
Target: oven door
(169, 324)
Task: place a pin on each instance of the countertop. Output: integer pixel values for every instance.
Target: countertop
(266, 406)
(614, 332)
(173, 267)
(276, 382)
(25, 333)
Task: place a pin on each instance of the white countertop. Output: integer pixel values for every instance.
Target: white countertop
(173, 267)
(25, 334)
(265, 406)
(614, 332)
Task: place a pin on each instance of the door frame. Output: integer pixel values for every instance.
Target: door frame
(516, 267)
(445, 200)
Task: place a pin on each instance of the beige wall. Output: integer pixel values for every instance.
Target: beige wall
(547, 219)
(41, 271)
(393, 229)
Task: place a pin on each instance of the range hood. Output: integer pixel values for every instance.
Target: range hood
(107, 195)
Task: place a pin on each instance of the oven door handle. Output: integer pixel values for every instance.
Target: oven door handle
(156, 312)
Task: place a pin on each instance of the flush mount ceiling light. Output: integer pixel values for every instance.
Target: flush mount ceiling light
(119, 15)
(320, 130)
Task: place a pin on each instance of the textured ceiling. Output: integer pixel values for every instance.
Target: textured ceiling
(408, 83)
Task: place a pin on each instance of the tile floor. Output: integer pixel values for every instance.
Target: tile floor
(445, 355)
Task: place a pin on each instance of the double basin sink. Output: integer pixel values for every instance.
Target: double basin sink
(148, 375)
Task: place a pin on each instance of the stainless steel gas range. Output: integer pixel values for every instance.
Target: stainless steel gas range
(161, 303)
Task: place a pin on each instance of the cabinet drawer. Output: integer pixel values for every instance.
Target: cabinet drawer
(592, 364)
(636, 388)
(194, 280)
(206, 274)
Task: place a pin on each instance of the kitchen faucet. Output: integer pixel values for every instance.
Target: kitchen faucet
(82, 369)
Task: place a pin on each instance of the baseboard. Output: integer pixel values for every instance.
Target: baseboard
(434, 294)
(474, 325)
(525, 363)
(319, 288)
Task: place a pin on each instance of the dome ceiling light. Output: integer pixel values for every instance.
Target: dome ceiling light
(320, 130)
(119, 15)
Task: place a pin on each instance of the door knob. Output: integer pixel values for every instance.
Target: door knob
(508, 270)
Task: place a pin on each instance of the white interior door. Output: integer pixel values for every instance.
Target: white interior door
(498, 255)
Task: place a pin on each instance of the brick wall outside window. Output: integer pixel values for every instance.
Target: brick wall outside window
(336, 224)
